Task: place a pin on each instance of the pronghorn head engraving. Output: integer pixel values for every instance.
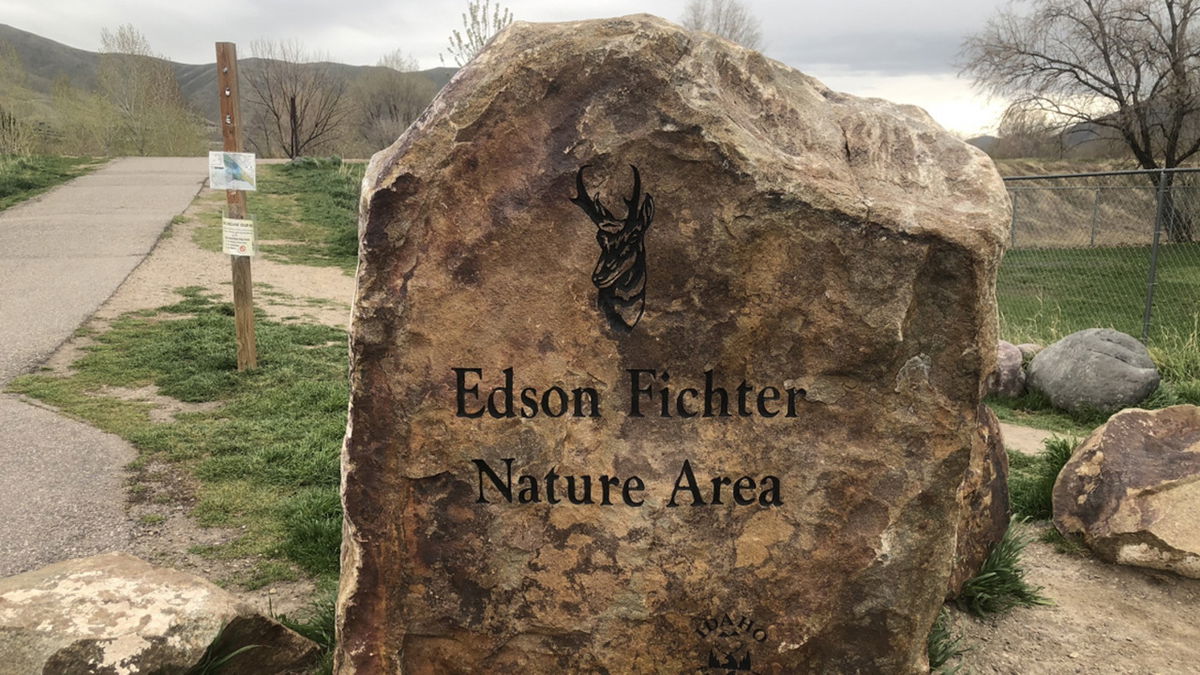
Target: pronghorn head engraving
(620, 274)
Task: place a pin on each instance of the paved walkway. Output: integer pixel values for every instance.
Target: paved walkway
(61, 256)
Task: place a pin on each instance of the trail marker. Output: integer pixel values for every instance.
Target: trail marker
(231, 133)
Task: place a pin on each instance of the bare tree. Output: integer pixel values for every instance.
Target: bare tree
(480, 22)
(727, 18)
(16, 132)
(1128, 66)
(1027, 133)
(398, 61)
(388, 98)
(152, 116)
(298, 103)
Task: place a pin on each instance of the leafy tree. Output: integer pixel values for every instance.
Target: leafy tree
(480, 22)
(299, 105)
(727, 18)
(1131, 67)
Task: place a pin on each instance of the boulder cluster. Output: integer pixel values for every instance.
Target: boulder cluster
(1098, 370)
(1131, 490)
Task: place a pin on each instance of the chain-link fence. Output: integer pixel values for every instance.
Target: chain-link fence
(1116, 249)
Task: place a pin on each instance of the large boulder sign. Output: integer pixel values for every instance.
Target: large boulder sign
(665, 358)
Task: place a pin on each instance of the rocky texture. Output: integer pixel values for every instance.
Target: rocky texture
(116, 614)
(792, 237)
(1132, 490)
(983, 502)
(1094, 370)
(1009, 381)
(1029, 350)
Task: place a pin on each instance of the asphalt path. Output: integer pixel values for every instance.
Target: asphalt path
(61, 256)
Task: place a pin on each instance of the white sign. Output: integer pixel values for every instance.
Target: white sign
(231, 171)
(237, 236)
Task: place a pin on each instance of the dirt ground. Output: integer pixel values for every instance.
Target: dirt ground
(158, 509)
(1105, 618)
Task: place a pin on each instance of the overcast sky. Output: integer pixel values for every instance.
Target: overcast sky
(903, 50)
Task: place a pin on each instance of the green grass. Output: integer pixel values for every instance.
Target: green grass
(306, 211)
(943, 645)
(25, 177)
(1065, 545)
(1000, 584)
(317, 624)
(1031, 478)
(266, 459)
(1045, 294)
(1032, 409)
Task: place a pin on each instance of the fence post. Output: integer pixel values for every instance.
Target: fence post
(1095, 216)
(1152, 276)
(1013, 225)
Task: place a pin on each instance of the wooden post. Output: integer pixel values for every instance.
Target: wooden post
(231, 134)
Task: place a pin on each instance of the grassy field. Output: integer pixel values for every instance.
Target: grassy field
(305, 212)
(25, 177)
(1045, 294)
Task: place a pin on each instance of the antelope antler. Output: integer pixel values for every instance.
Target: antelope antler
(590, 205)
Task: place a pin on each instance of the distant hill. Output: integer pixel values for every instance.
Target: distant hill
(984, 143)
(46, 60)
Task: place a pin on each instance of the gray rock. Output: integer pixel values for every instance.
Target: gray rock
(1132, 490)
(114, 613)
(1029, 350)
(1009, 380)
(1097, 369)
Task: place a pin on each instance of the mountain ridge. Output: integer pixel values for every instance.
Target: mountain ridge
(46, 60)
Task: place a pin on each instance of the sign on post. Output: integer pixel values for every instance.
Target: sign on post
(231, 171)
(237, 236)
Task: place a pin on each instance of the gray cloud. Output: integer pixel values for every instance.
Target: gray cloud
(868, 42)
(918, 36)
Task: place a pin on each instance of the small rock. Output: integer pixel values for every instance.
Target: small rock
(1132, 490)
(1029, 350)
(1098, 369)
(114, 613)
(1009, 381)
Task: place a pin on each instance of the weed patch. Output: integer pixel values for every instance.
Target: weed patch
(1000, 584)
(943, 645)
(317, 624)
(1031, 478)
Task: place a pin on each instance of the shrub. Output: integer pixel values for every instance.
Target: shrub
(1000, 584)
(1031, 478)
